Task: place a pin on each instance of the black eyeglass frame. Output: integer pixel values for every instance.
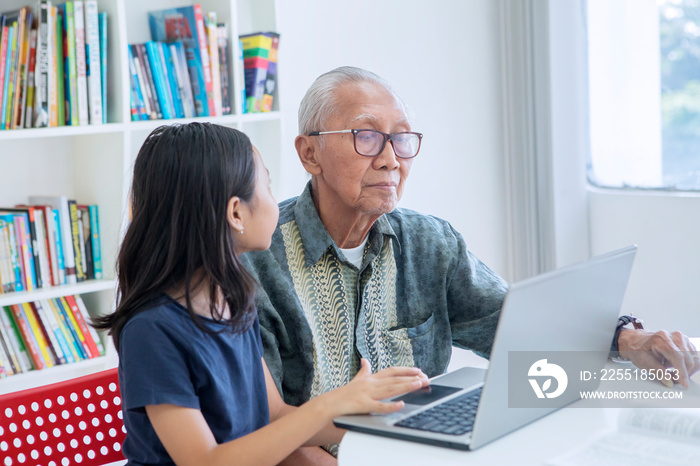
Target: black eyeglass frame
(387, 137)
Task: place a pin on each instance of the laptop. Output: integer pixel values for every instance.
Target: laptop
(572, 310)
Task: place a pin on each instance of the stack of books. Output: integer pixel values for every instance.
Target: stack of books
(54, 241)
(53, 64)
(184, 71)
(46, 333)
(260, 65)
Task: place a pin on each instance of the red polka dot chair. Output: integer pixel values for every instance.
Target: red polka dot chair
(75, 422)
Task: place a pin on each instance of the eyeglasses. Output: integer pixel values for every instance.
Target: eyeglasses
(370, 142)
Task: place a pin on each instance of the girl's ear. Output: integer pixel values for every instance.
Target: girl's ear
(234, 213)
(308, 151)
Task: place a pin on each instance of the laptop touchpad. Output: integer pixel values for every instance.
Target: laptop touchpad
(427, 395)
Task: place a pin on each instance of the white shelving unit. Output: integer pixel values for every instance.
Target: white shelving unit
(93, 164)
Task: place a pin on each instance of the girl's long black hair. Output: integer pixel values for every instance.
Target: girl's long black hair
(184, 176)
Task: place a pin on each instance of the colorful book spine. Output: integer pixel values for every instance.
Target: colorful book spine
(71, 65)
(171, 82)
(61, 204)
(80, 63)
(75, 327)
(53, 69)
(21, 103)
(16, 341)
(204, 55)
(75, 240)
(38, 334)
(177, 52)
(154, 59)
(72, 335)
(60, 68)
(31, 82)
(143, 58)
(28, 336)
(4, 31)
(49, 332)
(94, 73)
(86, 316)
(41, 75)
(59, 337)
(8, 75)
(25, 241)
(14, 250)
(226, 90)
(70, 351)
(59, 247)
(13, 110)
(95, 238)
(103, 62)
(271, 78)
(138, 111)
(212, 35)
(83, 326)
(148, 100)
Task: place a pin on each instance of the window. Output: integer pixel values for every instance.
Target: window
(644, 90)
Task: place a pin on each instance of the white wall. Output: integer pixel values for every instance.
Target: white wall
(664, 288)
(443, 58)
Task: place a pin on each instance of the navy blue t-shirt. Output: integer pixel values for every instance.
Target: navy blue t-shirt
(164, 358)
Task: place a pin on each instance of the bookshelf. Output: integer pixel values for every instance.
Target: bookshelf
(93, 163)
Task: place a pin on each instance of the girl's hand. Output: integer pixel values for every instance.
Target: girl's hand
(366, 390)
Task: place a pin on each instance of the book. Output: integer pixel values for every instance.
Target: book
(23, 73)
(226, 86)
(82, 319)
(140, 104)
(61, 204)
(59, 247)
(240, 78)
(256, 51)
(7, 92)
(159, 79)
(14, 250)
(70, 65)
(83, 245)
(25, 246)
(271, 77)
(60, 67)
(157, 114)
(4, 31)
(213, 46)
(643, 436)
(177, 51)
(144, 87)
(91, 330)
(95, 239)
(38, 333)
(50, 239)
(35, 240)
(28, 337)
(53, 69)
(19, 348)
(49, 332)
(75, 239)
(6, 366)
(171, 81)
(58, 333)
(80, 63)
(69, 332)
(31, 82)
(18, 18)
(74, 326)
(186, 25)
(94, 72)
(7, 282)
(41, 75)
(102, 19)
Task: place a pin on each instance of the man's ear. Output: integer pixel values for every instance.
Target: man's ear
(234, 213)
(308, 152)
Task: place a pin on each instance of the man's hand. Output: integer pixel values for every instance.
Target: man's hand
(660, 350)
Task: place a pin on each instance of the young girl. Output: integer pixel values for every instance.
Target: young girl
(194, 385)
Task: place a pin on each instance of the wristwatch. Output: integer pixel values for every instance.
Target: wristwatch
(622, 321)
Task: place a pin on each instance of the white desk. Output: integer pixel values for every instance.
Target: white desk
(534, 444)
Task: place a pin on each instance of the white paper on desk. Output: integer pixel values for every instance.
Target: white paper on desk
(645, 437)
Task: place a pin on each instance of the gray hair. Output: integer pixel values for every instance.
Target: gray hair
(318, 104)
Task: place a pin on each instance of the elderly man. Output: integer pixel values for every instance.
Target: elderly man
(349, 275)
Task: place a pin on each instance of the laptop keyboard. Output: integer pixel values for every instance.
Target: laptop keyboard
(454, 417)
